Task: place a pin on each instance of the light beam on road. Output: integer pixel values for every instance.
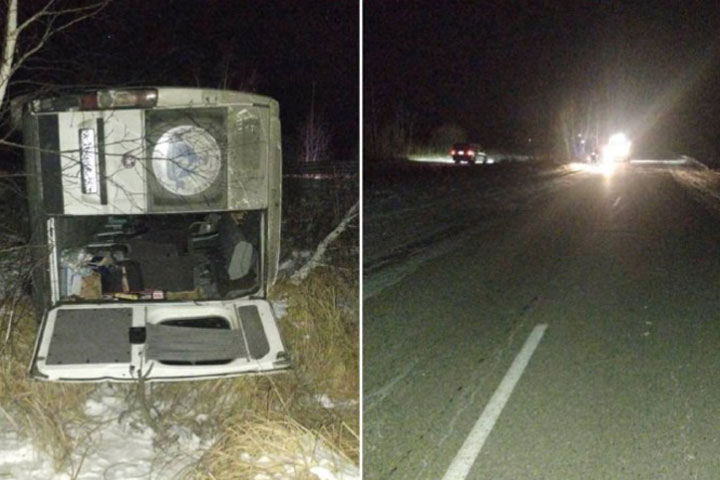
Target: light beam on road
(431, 158)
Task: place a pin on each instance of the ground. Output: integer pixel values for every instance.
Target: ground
(622, 271)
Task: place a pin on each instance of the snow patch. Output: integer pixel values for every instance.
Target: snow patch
(123, 448)
(314, 457)
(327, 402)
(280, 307)
(296, 260)
(119, 449)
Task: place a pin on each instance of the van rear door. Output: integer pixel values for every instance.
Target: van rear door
(158, 341)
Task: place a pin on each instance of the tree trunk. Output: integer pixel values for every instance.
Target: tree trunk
(9, 50)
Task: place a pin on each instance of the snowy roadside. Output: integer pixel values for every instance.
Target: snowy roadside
(423, 212)
(114, 441)
(703, 183)
(118, 448)
(118, 444)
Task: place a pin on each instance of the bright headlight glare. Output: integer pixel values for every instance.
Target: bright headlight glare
(617, 148)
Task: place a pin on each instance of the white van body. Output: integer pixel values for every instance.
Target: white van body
(156, 233)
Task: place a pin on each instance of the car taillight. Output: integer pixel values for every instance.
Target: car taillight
(452, 152)
(88, 102)
(470, 152)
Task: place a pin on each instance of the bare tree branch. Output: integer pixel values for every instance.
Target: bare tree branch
(34, 18)
(50, 29)
(317, 257)
(56, 21)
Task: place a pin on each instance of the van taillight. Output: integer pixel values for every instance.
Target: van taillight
(99, 100)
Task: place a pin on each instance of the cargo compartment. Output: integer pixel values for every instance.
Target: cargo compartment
(209, 256)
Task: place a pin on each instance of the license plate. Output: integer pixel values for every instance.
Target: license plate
(89, 161)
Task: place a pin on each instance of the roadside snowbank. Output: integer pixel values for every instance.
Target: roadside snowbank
(118, 448)
(121, 447)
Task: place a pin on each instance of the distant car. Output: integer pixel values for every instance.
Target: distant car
(468, 152)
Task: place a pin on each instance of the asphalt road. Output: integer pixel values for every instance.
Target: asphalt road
(625, 383)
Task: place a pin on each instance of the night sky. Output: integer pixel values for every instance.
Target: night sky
(504, 70)
(275, 48)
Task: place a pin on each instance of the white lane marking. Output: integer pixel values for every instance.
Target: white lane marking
(460, 466)
(617, 201)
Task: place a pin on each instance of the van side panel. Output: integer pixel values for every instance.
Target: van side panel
(274, 209)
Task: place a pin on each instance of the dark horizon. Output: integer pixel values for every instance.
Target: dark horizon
(281, 49)
(503, 72)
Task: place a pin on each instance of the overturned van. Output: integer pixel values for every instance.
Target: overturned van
(156, 229)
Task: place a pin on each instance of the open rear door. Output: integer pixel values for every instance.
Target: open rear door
(158, 341)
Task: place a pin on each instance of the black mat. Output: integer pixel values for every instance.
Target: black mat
(254, 332)
(189, 344)
(90, 335)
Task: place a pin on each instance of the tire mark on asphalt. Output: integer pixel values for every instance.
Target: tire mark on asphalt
(403, 252)
(496, 356)
(373, 399)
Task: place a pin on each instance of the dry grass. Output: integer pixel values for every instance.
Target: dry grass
(259, 447)
(49, 414)
(322, 333)
(284, 410)
(250, 415)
